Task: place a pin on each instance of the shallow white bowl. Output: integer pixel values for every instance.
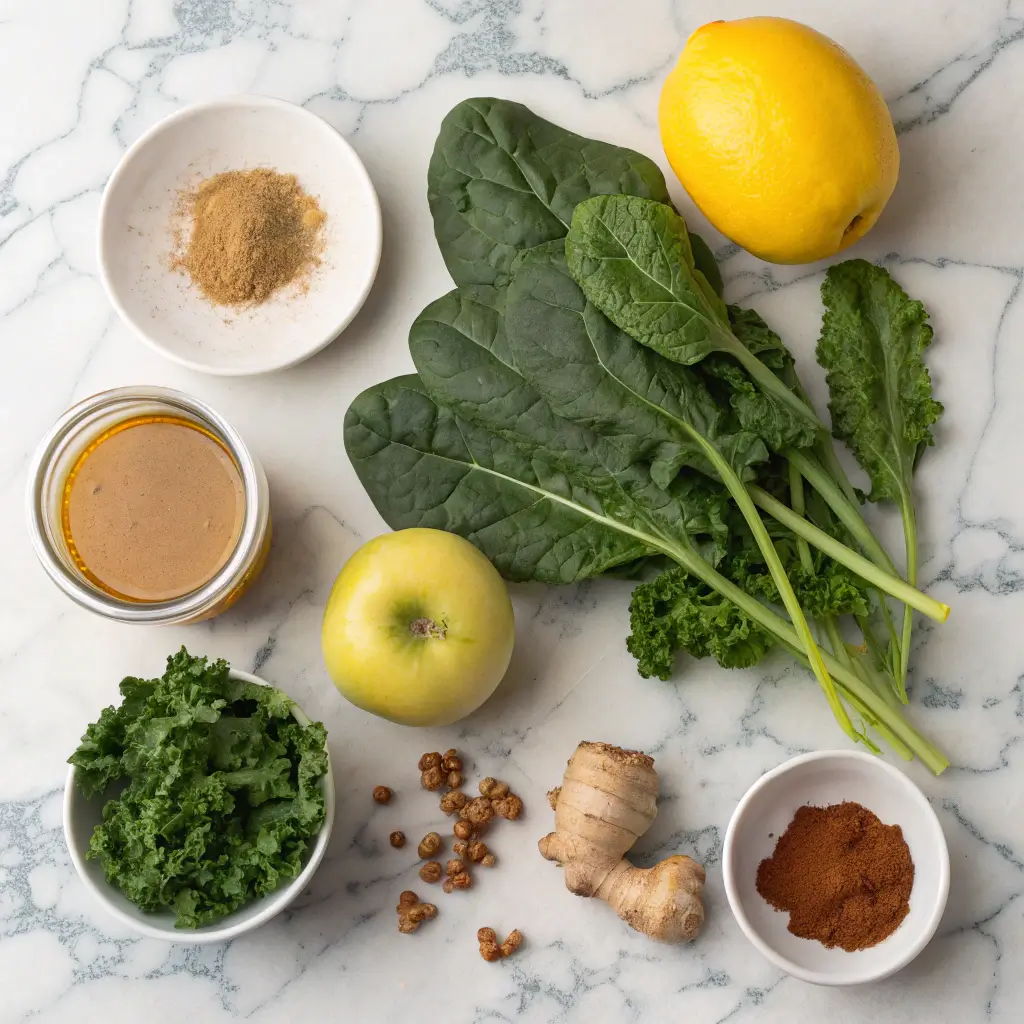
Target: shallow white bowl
(830, 777)
(81, 816)
(141, 206)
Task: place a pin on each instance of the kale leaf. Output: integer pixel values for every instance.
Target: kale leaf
(873, 337)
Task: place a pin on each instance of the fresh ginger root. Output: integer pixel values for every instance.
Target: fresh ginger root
(608, 799)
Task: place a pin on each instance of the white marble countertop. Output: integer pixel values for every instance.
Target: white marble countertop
(80, 82)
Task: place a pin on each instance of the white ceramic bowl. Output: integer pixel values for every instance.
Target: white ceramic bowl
(141, 206)
(81, 816)
(830, 777)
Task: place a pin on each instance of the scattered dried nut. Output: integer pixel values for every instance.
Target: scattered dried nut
(428, 761)
(489, 860)
(451, 762)
(478, 811)
(397, 839)
(382, 794)
(477, 851)
(455, 867)
(460, 848)
(412, 913)
(429, 845)
(553, 795)
(463, 880)
(453, 801)
(509, 807)
(431, 871)
(489, 948)
(493, 789)
(463, 829)
(432, 778)
(454, 779)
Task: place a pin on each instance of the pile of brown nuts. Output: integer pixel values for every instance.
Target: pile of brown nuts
(474, 815)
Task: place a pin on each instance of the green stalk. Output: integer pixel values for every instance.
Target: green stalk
(910, 535)
(789, 599)
(783, 631)
(845, 510)
(830, 461)
(833, 467)
(796, 500)
(767, 380)
(835, 639)
(864, 568)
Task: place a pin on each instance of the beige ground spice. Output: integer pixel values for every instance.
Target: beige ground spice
(252, 233)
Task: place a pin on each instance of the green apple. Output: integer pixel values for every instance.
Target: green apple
(418, 628)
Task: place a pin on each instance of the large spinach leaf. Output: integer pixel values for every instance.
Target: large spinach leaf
(422, 465)
(502, 180)
(466, 365)
(633, 260)
(595, 374)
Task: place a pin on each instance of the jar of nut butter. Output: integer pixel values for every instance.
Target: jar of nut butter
(145, 506)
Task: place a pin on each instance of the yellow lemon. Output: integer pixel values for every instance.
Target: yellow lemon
(779, 137)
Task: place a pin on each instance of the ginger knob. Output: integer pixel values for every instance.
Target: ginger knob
(607, 800)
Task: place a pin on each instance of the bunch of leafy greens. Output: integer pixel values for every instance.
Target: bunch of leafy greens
(219, 789)
(585, 403)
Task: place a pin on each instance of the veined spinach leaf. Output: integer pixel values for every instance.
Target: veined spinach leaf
(633, 260)
(594, 374)
(424, 466)
(502, 180)
(465, 364)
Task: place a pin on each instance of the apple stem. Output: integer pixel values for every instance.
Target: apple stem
(428, 628)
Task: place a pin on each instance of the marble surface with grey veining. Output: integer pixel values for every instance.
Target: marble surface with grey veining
(79, 82)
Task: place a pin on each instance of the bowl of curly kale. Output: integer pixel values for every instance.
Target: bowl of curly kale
(202, 805)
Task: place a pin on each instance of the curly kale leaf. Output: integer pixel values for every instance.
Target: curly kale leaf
(872, 341)
(222, 792)
(677, 612)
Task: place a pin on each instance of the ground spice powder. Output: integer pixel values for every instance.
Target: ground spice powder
(843, 876)
(253, 232)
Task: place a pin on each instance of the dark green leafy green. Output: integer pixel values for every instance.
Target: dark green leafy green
(221, 790)
(595, 374)
(873, 336)
(633, 259)
(466, 365)
(502, 180)
(423, 465)
(677, 612)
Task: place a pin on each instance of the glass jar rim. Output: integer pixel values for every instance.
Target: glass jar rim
(179, 609)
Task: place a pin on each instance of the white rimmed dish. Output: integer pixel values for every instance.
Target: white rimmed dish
(81, 816)
(141, 209)
(819, 779)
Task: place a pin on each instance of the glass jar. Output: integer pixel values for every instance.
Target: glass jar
(59, 452)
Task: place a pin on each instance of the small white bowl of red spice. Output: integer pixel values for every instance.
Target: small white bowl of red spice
(836, 868)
